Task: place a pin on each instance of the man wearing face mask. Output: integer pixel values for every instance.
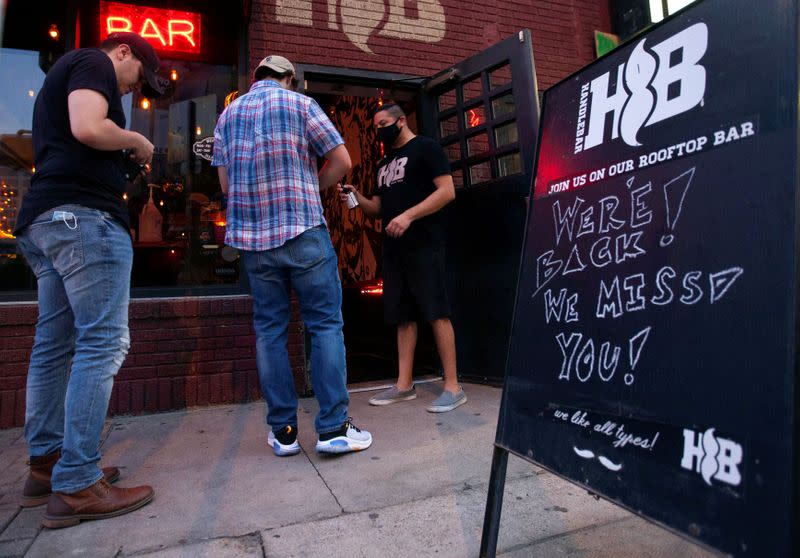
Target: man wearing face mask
(266, 145)
(414, 184)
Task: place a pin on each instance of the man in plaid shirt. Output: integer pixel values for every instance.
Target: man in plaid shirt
(266, 145)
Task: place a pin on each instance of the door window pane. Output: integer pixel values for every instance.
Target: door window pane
(472, 89)
(509, 164)
(448, 126)
(505, 134)
(474, 116)
(500, 76)
(458, 178)
(477, 144)
(480, 172)
(453, 152)
(502, 105)
(447, 100)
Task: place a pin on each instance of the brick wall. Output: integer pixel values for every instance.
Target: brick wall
(422, 37)
(184, 352)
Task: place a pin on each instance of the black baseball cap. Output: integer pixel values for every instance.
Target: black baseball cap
(144, 52)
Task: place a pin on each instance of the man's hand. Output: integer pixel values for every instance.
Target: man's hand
(343, 189)
(398, 225)
(142, 151)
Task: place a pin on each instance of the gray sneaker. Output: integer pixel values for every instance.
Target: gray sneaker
(393, 395)
(447, 401)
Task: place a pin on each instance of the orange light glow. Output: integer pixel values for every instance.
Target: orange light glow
(54, 32)
(5, 235)
(220, 223)
(375, 289)
(173, 75)
(166, 30)
(145, 104)
(474, 118)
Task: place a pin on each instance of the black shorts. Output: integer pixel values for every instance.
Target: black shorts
(415, 285)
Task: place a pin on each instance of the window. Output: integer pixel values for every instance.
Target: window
(478, 127)
(659, 9)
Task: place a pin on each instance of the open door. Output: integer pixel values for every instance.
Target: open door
(485, 113)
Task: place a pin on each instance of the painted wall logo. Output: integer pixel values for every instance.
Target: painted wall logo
(359, 19)
(712, 457)
(649, 88)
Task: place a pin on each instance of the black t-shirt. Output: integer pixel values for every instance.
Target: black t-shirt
(405, 178)
(67, 171)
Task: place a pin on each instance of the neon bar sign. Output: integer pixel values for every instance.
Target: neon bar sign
(166, 30)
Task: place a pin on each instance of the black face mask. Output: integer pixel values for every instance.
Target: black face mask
(389, 134)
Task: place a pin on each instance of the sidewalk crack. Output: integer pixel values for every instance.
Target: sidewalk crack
(338, 503)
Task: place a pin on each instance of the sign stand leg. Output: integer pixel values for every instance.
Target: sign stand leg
(494, 503)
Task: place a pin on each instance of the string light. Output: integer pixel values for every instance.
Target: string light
(54, 32)
(145, 104)
(173, 75)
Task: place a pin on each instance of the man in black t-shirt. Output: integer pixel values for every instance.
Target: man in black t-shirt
(414, 184)
(73, 230)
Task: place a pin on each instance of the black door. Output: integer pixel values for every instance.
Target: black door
(485, 113)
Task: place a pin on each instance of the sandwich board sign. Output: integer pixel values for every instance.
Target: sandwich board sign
(653, 355)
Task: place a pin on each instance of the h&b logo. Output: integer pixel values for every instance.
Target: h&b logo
(711, 456)
(649, 89)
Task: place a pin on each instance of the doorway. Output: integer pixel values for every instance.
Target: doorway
(350, 99)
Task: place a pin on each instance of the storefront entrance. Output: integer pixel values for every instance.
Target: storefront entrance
(484, 111)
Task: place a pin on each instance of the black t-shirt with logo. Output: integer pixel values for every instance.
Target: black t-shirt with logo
(68, 171)
(405, 178)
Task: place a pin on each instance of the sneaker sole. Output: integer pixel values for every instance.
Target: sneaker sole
(35, 501)
(445, 408)
(283, 451)
(380, 402)
(61, 522)
(338, 445)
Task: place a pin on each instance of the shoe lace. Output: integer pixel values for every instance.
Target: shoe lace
(349, 424)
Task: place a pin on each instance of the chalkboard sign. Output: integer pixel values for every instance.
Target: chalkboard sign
(653, 357)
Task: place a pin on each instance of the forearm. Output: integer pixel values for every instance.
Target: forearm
(433, 203)
(105, 135)
(370, 206)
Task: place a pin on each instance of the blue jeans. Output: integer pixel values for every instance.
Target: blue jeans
(308, 264)
(82, 260)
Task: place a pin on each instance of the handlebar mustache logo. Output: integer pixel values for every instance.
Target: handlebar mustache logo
(359, 19)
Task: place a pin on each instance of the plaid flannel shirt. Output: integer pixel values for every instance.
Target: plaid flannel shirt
(269, 140)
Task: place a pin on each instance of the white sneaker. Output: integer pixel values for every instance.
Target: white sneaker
(289, 446)
(348, 438)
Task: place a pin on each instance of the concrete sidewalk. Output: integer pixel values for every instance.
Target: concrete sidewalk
(420, 490)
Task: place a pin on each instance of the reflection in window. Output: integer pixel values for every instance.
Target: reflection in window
(505, 134)
(189, 247)
(509, 164)
(458, 178)
(477, 144)
(22, 78)
(502, 105)
(453, 152)
(447, 100)
(448, 126)
(481, 172)
(472, 89)
(500, 76)
(474, 116)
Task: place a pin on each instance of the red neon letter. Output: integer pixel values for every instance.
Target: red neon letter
(114, 24)
(154, 34)
(186, 32)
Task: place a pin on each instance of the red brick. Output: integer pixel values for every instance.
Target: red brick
(215, 389)
(19, 418)
(7, 409)
(137, 397)
(151, 396)
(202, 390)
(179, 393)
(190, 391)
(164, 394)
(123, 397)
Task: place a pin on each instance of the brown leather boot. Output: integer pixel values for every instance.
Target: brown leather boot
(99, 501)
(37, 486)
